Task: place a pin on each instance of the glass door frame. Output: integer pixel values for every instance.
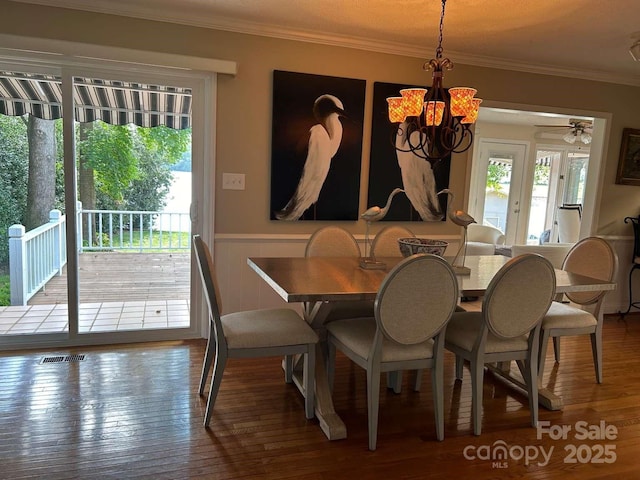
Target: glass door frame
(519, 201)
(559, 177)
(203, 114)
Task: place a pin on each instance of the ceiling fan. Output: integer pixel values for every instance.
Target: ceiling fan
(577, 130)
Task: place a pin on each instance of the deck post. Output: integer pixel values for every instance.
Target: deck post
(79, 226)
(58, 244)
(17, 265)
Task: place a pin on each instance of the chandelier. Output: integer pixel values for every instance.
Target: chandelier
(434, 122)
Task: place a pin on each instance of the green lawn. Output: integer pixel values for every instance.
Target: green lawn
(131, 241)
(152, 241)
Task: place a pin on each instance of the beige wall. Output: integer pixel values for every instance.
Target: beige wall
(244, 103)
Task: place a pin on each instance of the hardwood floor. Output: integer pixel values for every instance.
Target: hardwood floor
(133, 412)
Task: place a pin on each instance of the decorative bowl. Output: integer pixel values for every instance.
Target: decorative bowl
(411, 246)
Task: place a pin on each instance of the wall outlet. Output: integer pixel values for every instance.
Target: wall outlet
(233, 181)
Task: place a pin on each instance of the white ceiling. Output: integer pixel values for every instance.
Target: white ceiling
(582, 38)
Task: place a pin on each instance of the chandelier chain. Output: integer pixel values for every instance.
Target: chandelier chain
(439, 49)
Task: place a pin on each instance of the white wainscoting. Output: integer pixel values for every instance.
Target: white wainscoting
(242, 289)
(618, 300)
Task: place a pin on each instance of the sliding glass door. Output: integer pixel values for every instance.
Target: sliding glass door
(98, 221)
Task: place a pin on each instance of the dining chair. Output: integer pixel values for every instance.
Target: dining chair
(332, 241)
(593, 257)
(385, 243)
(413, 305)
(507, 328)
(250, 334)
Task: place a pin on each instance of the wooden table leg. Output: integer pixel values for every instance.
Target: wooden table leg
(330, 423)
(546, 397)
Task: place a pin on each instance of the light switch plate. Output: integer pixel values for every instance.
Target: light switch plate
(233, 181)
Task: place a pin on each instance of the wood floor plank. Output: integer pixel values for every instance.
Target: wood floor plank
(132, 411)
(118, 276)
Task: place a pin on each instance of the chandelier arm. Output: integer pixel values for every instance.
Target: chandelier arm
(443, 126)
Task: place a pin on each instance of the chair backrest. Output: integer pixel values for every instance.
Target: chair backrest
(332, 241)
(519, 296)
(568, 220)
(416, 299)
(593, 257)
(385, 243)
(210, 286)
(485, 234)
(554, 252)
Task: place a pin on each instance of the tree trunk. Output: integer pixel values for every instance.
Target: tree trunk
(41, 186)
(86, 183)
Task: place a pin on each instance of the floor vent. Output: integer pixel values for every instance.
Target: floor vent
(74, 358)
(52, 359)
(60, 359)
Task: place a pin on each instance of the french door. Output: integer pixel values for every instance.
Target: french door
(520, 193)
(496, 192)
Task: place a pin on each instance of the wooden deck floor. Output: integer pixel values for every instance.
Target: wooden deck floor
(115, 276)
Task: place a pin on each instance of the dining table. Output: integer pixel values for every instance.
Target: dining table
(323, 284)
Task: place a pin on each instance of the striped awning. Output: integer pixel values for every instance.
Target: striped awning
(504, 162)
(114, 102)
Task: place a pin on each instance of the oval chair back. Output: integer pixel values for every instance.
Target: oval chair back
(385, 243)
(416, 299)
(593, 257)
(332, 241)
(519, 296)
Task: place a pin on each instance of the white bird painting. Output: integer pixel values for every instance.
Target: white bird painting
(417, 178)
(324, 140)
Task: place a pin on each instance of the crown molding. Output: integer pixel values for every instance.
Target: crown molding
(274, 31)
(13, 47)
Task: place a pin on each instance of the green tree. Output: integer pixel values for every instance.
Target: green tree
(542, 174)
(107, 153)
(14, 168)
(496, 175)
(153, 151)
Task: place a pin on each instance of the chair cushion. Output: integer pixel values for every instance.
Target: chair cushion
(266, 328)
(564, 315)
(463, 330)
(357, 334)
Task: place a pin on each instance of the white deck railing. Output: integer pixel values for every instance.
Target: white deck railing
(121, 230)
(36, 256)
(39, 254)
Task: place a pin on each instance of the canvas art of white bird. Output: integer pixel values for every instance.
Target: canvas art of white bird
(462, 219)
(324, 141)
(418, 180)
